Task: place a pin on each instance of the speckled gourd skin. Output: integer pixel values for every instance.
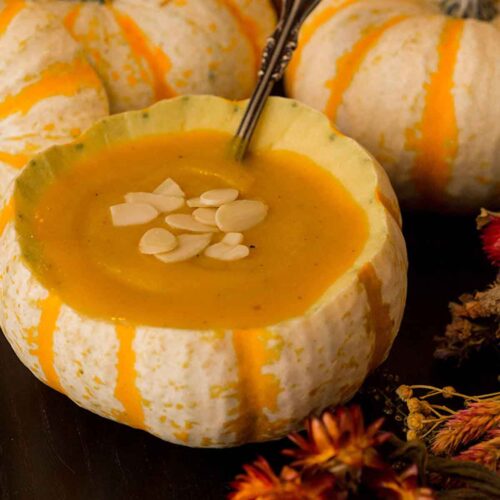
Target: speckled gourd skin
(222, 388)
(34, 49)
(190, 46)
(383, 105)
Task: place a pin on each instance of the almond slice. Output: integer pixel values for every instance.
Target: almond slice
(160, 202)
(187, 222)
(189, 245)
(132, 214)
(169, 188)
(233, 239)
(218, 197)
(194, 203)
(205, 215)
(240, 215)
(222, 251)
(157, 240)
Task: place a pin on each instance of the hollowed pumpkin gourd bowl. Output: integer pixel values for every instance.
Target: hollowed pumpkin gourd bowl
(204, 351)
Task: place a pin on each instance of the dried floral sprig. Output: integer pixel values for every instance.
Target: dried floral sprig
(450, 432)
(475, 322)
(467, 426)
(316, 476)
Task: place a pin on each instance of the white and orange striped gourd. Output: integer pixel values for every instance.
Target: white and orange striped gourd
(212, 387)
(419, 88)
(49, 93)
(147, 50)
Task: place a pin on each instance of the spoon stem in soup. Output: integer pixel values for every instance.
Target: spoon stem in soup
(275, 59)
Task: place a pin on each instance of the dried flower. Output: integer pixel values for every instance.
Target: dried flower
(466, 426)
(475, 320)
(475, 324)
(448, 391)
(261, 483)
(390, 486)
(415, 422)
(405, 392)
(339, 459)
(411, 435)
(489, 224)
(414, 405)
(339, 442)
(486, 453)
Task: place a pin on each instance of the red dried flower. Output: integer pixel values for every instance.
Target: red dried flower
(489, 223)
(261, 483)
(390, 486)
(339, 442)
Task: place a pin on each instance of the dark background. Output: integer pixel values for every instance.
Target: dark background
(52, 449)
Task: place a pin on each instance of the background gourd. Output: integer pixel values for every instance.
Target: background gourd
(49, 93)
(147, 50)
(420, 89)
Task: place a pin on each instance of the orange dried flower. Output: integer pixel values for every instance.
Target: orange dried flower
(486, 452)
(467, 426)
(403, 487)
(449, 391)
(339, 442)
(405, 392)
(259, 482)
(414, 405)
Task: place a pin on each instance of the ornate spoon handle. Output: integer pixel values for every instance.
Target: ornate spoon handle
(277, 55)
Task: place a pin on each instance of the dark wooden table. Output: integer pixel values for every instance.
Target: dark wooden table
(51, 449)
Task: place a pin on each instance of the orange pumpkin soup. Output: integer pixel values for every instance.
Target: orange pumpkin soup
(313, 233)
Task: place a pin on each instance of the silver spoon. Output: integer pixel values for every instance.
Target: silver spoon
(275, 59)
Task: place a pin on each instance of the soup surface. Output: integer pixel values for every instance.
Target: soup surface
(313, 233)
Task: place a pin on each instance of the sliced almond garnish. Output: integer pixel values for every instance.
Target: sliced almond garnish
(169, 188)
(218, 197)
(194, 203)
(232, 239)
(157, 240)
(222, 251)
(189, 245)
(240, 215)
(132, 214)
(160, 202)
(187, 222)
(205, 215)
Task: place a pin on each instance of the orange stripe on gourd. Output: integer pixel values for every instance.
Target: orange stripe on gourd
(390, 205)
(248, 27)
(349, 63)
(59, 79)
(378, 319)
(307, 32)
(14, 160)
(6, 215)
(435, 138)
(71, 18)
(144, 52)
(9, 12)
(44, 341)
(126, 390)
(258, 391)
